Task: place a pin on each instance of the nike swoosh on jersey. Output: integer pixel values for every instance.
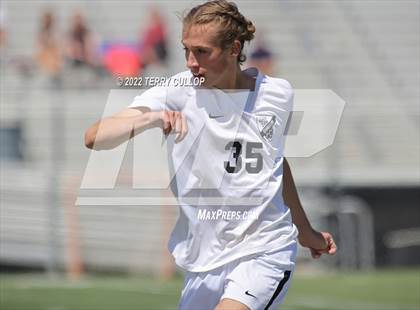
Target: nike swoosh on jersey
(215, 116)
(249, 294)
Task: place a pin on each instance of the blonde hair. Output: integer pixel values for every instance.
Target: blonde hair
(232, 24)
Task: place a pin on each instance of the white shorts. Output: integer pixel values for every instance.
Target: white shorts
(258, 281)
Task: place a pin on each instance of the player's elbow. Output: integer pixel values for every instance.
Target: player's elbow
(92, 142)
(88, 141)
(90, 136)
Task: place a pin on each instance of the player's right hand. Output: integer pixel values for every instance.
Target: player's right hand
(173, 122)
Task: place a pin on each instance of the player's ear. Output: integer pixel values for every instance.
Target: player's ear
(236, 48)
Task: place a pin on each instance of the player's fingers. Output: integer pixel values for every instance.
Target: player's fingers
(171, 120)
(182, 128)
(178, 123)
(178, 127)
(166, 122)
(332, 247)
(315, 254)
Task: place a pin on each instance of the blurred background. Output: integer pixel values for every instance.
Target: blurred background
(59, 60)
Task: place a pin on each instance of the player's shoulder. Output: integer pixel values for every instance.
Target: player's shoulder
(180, 89)
(278, 84)
(277, 89)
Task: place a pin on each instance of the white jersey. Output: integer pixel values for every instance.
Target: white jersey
(228, 170)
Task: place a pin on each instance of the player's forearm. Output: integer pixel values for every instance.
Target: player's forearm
(291, 198)
(110, 132)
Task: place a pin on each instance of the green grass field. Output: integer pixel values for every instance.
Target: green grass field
(385, 290)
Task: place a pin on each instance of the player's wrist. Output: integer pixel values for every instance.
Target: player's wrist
(307, 235)
(149, 120)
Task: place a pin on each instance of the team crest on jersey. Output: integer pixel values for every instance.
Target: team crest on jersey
(266, 126)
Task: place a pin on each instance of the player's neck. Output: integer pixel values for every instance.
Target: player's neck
(244, 81)
(237, 79)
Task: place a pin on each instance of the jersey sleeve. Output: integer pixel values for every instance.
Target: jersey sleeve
(290, 94)
(285, 94)
(278, 96)
(154, 98)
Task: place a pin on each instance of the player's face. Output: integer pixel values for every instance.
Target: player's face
(205, 57)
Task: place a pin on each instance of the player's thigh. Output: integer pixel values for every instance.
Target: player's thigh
(203, 288)
(230, 304)
(261, 282)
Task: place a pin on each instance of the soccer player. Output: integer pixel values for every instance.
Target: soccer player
(225, 140)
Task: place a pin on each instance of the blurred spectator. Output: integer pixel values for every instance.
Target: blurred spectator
(262, 59)
(80, 44)
(48, 54)
(2, 28)
(153, 46)
(24, 64)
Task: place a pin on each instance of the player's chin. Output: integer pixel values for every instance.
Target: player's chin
(210, 82)
(207, 83)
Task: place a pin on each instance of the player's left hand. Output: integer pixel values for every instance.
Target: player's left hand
(174, 122)
(319, 243)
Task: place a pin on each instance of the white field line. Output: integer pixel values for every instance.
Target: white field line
(87, 285)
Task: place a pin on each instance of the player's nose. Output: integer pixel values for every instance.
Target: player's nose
(192, 63)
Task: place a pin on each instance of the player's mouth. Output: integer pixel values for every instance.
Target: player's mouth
(198, 75)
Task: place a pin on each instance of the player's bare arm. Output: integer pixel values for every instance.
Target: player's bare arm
(111, 131)
(317, 242)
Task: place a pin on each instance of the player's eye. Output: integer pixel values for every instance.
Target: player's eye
(201, 51)
(186, 51)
